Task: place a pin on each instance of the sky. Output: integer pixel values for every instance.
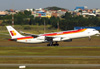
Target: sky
(67, 4)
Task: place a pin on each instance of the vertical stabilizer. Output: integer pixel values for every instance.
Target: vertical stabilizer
(13, 33)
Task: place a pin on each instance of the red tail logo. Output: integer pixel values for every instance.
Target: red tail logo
(13, 33)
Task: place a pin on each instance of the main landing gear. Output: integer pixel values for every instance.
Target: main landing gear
(51, 44)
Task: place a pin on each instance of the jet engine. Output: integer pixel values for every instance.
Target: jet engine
(41, 38)
(57, 39)
(68, 40)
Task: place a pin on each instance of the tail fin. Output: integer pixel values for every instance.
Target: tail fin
(13, 33)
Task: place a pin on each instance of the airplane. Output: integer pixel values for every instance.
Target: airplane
(51, 38)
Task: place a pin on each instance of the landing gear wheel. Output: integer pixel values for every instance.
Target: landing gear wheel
(51, 44)
(56, 44)
(48, 44)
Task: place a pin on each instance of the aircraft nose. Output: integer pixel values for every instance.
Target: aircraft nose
(98, 32)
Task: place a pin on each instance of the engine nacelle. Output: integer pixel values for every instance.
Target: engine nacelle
(41, 38)
(68, 40)
(63, 39)
(57, 39)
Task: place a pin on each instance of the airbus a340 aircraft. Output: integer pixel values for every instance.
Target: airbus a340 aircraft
(51, 38)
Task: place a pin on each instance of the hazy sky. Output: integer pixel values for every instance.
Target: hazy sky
(68, 4)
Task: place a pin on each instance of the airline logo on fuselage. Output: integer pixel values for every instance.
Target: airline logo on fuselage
(13, 33)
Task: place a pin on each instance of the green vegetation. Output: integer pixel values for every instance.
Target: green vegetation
(50, 51)
(9, 48)
(52, 67)
(49, 60)
(14, 48)
(83, 47)
(72, 21)
(54, 8)
(32, 29)
(66, 22)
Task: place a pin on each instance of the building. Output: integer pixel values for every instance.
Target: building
(3, 13)
(97, 12)
(97, 28)
(81, 7)
(42, 14)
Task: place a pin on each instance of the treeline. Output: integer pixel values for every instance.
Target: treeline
(70, 21)
(66, 22)
(54, 8)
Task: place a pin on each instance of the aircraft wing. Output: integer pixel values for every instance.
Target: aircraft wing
(56, 36)
(34, 35)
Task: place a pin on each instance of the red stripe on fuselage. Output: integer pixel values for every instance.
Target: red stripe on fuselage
(23, 38)
(66, 32)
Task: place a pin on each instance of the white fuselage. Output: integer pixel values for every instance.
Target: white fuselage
(59, 36)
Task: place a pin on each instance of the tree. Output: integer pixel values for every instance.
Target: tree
(28, 13)
(54, 8)
(54, 21)
(68, 15)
